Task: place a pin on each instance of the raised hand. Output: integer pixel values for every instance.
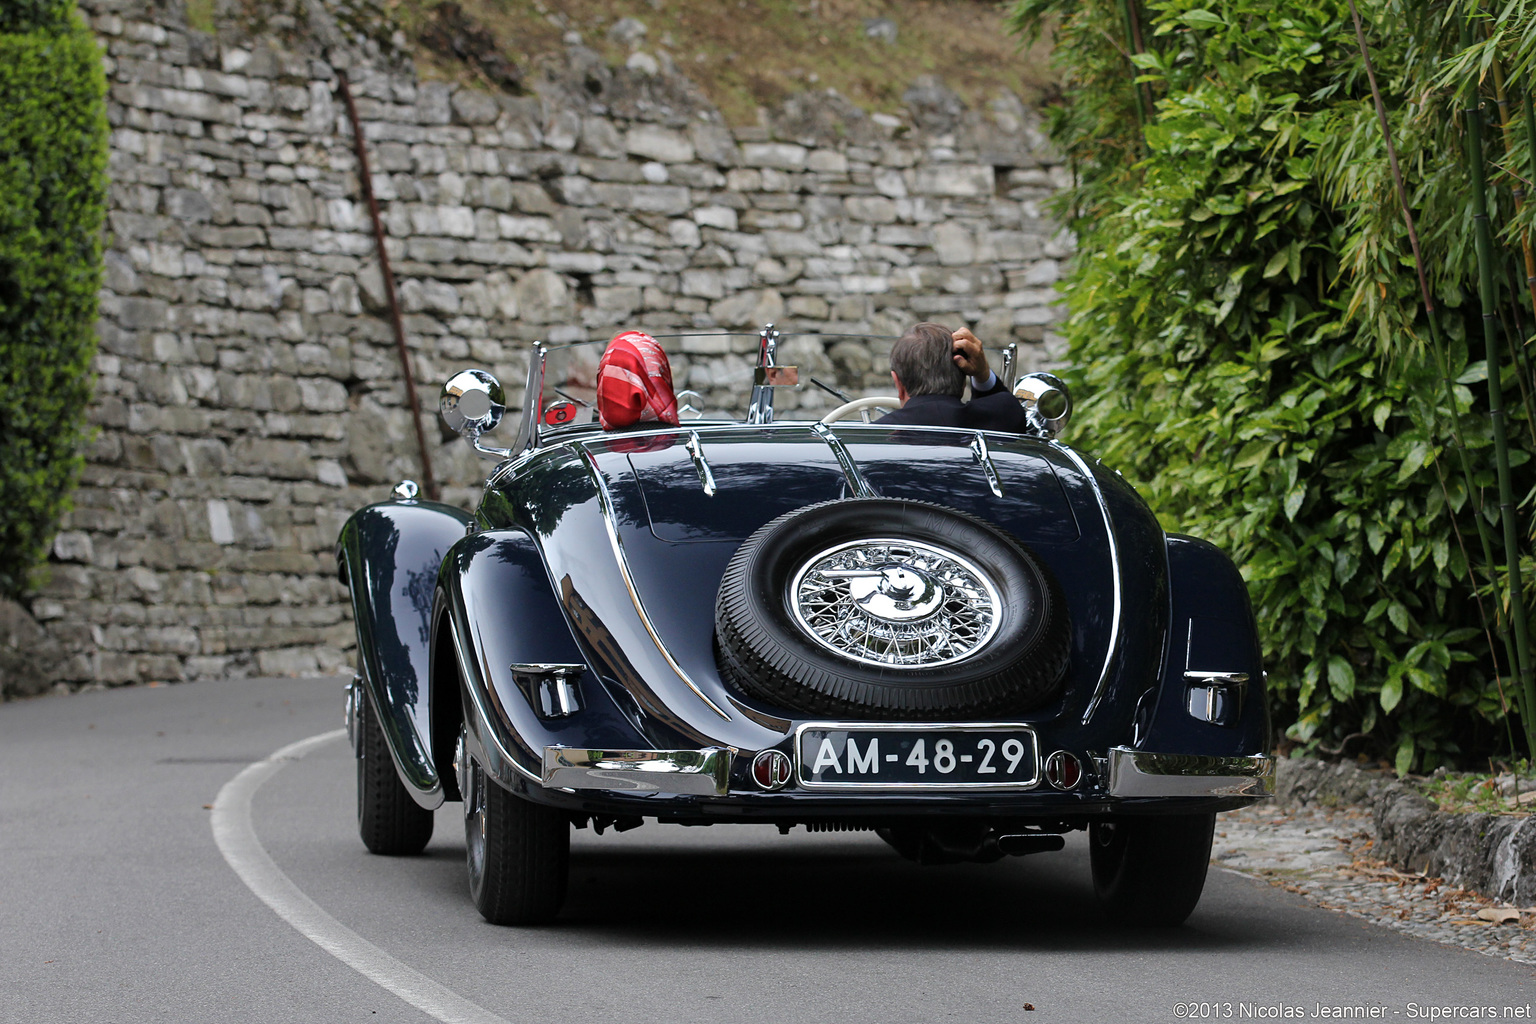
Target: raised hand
(969, 355)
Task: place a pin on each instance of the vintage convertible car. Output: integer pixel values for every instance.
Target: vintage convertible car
(968, 642)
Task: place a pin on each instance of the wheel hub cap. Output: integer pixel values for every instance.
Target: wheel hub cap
(894, 602)
(900, 593)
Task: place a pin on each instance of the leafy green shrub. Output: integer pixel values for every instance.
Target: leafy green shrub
(19, 16)
(1246, 333)
(53, 138)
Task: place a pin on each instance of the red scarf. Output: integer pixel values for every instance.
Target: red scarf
(634, 383)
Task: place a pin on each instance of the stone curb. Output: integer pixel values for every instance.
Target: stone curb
(1492, 854)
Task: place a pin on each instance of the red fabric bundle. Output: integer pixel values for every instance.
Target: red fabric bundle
(634, 383)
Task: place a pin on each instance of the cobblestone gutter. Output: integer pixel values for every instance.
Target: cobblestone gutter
(1492, 854)
(1362, 843)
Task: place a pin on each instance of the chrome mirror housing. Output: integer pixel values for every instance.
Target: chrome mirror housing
(1047, 403)
(472, 403)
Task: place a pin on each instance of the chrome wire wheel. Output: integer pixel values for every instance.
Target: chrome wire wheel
(516, 851)
(472, 786)
(895, 603)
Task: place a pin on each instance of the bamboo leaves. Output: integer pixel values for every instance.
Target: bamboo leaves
(1260, 352)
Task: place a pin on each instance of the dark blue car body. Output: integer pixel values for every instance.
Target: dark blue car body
(604, 553)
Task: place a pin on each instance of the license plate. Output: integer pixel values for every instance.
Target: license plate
(847, 756)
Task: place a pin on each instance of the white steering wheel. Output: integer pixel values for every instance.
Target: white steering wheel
(862, 406)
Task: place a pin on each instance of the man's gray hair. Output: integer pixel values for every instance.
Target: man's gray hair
(923, 360)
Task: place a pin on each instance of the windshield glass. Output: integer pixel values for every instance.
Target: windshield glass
(712, 375)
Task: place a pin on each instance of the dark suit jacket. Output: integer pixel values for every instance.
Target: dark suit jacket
(994, 409)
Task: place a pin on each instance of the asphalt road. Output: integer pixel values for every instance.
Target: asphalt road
(117, 904)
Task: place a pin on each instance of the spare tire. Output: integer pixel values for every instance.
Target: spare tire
(877, 608)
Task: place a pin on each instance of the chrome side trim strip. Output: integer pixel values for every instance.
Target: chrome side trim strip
(706, 477)
(546, 668)
(1217, 678)
(1145, 773)
(605, 502)
(466, 673)
(1114, 566)
(503, 470)
(856, 482)
(984, 458)
(691, 772)
(430, 797)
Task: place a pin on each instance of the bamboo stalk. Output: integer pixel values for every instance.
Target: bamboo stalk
(1133, 40)
(1517, 190)
(1483, 240)
(1529, 112)
(1138, 47)
(1514, 333)
(1443, 365)
(1482, 613)
(1516, 184)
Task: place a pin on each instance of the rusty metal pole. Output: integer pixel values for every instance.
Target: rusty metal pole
(428, 479)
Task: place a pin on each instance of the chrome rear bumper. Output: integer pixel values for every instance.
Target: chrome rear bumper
(1144, 773)
(1132, 773)
(688, 772)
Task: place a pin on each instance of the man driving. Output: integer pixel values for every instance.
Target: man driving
(930, 364)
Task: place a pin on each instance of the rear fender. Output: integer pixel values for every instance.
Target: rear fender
(388, 556)
(496, 608)
(1211, 630)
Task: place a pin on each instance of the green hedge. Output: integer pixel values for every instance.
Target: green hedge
(53, 154)
(1247, 340)
(24, 16)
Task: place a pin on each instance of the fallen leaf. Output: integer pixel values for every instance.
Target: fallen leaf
(1029, 1006)
(1499, 915)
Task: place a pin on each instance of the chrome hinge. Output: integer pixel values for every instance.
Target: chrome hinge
(1216, 697)
(550, 688)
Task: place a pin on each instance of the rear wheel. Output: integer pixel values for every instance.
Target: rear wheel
(1150, 871)
(388, 820)
(518, 852)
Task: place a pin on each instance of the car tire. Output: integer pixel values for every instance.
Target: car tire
(517, 852)
(388, 820)
(1149, 871)
(771, 643)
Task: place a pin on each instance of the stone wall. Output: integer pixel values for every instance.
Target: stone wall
(249, 395)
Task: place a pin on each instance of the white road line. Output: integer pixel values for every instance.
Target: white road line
(236, 836)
